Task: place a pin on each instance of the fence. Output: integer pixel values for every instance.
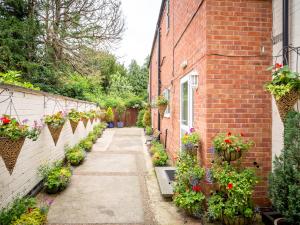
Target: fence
(32, 105)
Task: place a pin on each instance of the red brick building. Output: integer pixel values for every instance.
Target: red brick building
(226, 45)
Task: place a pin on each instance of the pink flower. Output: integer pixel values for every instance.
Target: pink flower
(192, 130)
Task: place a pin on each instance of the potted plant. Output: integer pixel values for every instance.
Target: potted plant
(187, 189)
(147, 118)
(110, 117)
(162, 104)
(85, 118)
(232, 203)
(121, 108)
(231, 146)
(190, 141)
(12, 137)
(55, 177)
(86, 145)
(92, 115)
(74, 117)
(75, 156)
(285, 87)
(55, 124)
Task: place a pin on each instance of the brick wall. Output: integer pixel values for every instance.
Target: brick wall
(222, 41)
(33, 106)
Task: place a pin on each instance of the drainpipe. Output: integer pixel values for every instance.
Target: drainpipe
(158, 71)
(285, 31)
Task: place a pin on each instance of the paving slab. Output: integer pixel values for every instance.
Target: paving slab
(98, 162)
(99, 199)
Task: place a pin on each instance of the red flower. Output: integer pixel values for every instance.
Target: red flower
(5, 120)
(229, 134)
(196, 188)
(242, 134)
(278, 66)
(230, 186)
(228, 141)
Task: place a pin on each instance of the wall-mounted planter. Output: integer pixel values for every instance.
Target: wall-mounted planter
(85, 121)
(10, 150)
(73, 125)
(92, 120)
(287, 102)
(161, 110)
(55, 132)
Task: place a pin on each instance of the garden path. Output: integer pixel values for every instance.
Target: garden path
(115, 185)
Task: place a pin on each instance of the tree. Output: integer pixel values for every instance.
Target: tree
(120, 86)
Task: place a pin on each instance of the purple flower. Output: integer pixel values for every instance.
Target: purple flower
(49, 201)
(192, 130)
(25, 120)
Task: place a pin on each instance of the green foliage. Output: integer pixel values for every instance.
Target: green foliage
(187, 189)
(227, 142)
(161, 100)
(14, 78)
(75, 156)
(147, 118)
(55, 177)
(13, 212)
(33, 217)
(56, 120)
(140, 118)
(149, 130)
(121, 108)
(191, 138)
(74, 115)
(110, 115)
(160, 158)
(284, 180)
(235, 195)
(284, 80)
(133, 101)
(120, 86)
(11, 128)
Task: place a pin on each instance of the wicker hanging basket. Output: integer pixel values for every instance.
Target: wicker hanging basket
(161, 110)
(231, 156)
(85, 121)
(92, 120)
(55, 132)
(73, 125)
(10, 150)
(287, 102)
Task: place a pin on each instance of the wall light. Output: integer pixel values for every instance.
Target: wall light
(193, 78)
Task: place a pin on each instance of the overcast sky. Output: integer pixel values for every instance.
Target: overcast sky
(141, 17)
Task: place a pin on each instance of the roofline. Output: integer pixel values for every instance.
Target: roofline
(156, 29)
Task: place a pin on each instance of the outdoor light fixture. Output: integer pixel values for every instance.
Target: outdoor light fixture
(194, 80)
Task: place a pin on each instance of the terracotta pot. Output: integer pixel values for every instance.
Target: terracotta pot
(161, 110)
(10, 150)
(287, 102)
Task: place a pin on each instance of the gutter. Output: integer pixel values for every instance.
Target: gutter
(285, 31)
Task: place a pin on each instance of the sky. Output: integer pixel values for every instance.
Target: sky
(140, 18)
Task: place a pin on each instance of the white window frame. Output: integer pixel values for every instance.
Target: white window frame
(167, 95)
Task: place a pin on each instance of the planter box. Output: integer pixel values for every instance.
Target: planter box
(165, 177)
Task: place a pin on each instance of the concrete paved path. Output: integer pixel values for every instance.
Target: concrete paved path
(115, 185)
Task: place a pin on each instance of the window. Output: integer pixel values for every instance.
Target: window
(166, 94)
(168, 15)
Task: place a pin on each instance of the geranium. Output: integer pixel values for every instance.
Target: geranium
(229, 134)
(230, 186)
(196, 188)
(228, 141)
(5, 120)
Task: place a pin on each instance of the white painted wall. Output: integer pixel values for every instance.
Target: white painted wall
(33, 106)
(294, 40)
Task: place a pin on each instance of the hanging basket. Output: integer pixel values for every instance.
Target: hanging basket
(231, 156)
(73, 125)
(161, 110)
(10, 150)
(85, 121)
(55, 132)
(92, 120)
(287, 102)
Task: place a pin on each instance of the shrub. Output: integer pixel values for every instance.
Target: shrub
(160, 158)
(75, 155)
(56, 177)
(156, 146)
(187, 189)
(149, 131)
(86, 145)
(140, 118)
(121, 108)
(147, 118)
(33, 217)
(18, 207)
(109, 115)
(284, 181)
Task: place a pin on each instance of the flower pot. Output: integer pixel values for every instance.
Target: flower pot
(110, 125)
(287, 102)
(237, 220)
(161, 110)
(10, 150)
(231, 156)
(73, 125)
(92, 120)
(120, 124)
(55, 132)
(85, 121)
